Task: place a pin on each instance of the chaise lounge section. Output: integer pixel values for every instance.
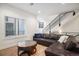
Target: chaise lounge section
(55, 48)
(69, 48)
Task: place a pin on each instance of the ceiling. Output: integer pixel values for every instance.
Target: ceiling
(45, 9)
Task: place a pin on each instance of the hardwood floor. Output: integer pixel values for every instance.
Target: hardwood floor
(13, 51)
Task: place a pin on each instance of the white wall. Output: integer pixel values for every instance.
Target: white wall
(72, 25)
(30, 25)
(65, 20)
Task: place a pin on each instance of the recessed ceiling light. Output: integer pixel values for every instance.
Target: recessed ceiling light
(31, 4)
(39, 11)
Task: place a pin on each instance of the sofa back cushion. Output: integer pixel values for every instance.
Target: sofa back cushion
(52, 36)
(46, 36)
(39, 35)
(55, 36)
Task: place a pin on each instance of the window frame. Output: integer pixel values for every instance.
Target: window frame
(6, 17)
(19, 27)
(16, 25)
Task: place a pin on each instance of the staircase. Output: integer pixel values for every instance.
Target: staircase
(56, 21)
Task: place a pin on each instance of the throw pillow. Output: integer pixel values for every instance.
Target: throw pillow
(63, 39)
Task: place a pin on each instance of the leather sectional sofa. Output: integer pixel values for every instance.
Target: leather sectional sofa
(54, 47)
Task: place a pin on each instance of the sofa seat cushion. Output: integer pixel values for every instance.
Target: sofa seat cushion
(58, 50)
(45, 42)
(48, 40)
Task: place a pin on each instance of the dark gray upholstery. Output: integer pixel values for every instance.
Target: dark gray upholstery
(45, 39)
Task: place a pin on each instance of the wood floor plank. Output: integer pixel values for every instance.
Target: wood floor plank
(13, 51)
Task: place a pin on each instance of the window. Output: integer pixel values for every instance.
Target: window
(21, 26)
(11, 25)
